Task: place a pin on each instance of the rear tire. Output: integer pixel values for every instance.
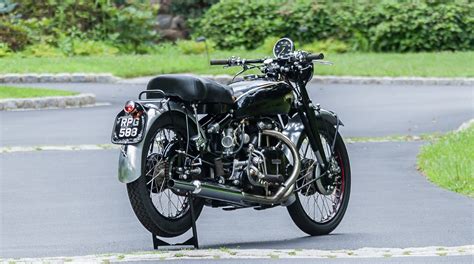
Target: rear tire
(140, 195)
(299, 215)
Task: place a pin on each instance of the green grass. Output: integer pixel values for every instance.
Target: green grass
(444, 64)
(25, 92)
(449, 162)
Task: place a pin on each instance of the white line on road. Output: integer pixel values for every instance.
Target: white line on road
(225, 253)
(59, 108)
(57, 148)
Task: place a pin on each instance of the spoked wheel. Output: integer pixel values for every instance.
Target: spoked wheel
(161, 210)
(321, 198)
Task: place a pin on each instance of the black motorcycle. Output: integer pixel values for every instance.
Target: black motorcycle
(257, 143)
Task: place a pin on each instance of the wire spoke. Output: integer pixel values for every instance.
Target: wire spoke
(319, 207)
(168, 203)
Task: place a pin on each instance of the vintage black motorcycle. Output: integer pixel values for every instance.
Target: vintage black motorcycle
(257, 143)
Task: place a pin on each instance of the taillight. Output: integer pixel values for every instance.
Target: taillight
(129, 107)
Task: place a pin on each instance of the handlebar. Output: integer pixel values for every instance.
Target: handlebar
(231, 62)
(312, 57)
(237, 61)
(219, 62)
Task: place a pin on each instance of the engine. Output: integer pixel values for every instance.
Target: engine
(244, 157)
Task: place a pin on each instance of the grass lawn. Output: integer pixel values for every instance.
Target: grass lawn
(24, 92)
(449, 162)
(444, 64)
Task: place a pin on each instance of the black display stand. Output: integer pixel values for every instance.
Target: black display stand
(193, 241)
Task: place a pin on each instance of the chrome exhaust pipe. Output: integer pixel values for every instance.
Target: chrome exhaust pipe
(236, 196)
(209, 190)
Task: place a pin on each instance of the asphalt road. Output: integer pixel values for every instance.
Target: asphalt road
(70, 203)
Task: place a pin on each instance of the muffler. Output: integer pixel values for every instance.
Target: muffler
(209, 190)
(236, 196)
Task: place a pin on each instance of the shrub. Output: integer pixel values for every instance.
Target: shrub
(51, 21)
(424, 27)
(387, 26)
(191, 8)
(239, 23)
(132, 24)
(4, 50)
(193, 47)
(90, 47)
(15, 36)
(326, 46)
(307, 21)
(42, 50)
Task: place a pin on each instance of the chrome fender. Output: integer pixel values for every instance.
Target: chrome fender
(130, 157)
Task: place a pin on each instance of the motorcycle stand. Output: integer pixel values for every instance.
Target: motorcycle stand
(193, 241)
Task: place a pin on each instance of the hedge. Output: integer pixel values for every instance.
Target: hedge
(386, 26)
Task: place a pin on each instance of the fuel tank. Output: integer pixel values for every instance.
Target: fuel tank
(261, 97)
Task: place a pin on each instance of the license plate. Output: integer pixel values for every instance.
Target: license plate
(128, 129)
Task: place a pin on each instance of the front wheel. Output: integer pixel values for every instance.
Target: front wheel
(321, 201)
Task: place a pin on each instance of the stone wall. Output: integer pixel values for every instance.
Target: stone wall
(171, 27)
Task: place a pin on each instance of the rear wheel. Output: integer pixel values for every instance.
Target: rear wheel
(321, 201)
(161, 210)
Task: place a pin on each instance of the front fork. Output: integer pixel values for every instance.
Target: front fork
(308, 118)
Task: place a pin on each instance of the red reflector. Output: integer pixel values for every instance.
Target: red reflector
(129, 107)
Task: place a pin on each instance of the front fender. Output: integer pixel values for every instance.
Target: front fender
(295, 127)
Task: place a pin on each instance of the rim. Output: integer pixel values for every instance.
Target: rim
(320, 208)
(160, 161)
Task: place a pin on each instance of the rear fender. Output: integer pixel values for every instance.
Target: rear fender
(131, 156)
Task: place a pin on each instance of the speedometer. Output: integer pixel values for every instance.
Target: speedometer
(283, 47)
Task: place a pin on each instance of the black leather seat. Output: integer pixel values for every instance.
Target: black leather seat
(191, 88)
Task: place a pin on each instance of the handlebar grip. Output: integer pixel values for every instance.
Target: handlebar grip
(312, 57)
(219, 62)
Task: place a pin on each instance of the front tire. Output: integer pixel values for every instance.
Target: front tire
(328, 207)
(143, 196)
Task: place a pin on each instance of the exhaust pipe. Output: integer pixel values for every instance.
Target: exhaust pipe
(236, 196)
(209, 190)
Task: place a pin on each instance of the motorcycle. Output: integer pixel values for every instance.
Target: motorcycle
(256, 143)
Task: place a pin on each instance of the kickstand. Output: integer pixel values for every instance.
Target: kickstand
(193, 241)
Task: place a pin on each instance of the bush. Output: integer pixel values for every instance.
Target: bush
(4, 50)
(42, 50)
(387, 26)
(326, 46)
(52, 21)
(191, 8)
(239, 23)
(132, 24)
(424, 27)
(307, 21)
(193, 47)
(15, 36)
(90, 47)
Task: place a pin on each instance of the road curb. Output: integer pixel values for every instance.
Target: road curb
(59, 78)
(109, 78)
(79, 100)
